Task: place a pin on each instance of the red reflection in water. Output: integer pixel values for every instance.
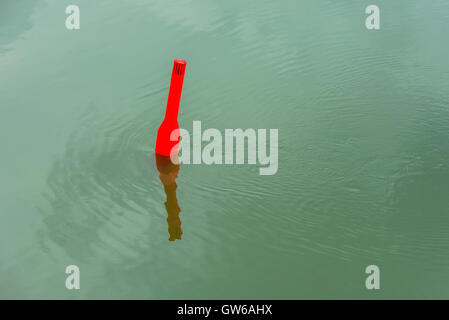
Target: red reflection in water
(168, 172)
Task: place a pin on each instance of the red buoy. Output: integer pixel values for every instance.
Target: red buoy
(164, 145)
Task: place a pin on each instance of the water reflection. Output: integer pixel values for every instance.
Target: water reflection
(168, 172)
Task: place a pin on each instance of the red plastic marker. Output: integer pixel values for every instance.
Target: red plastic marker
(163, 144)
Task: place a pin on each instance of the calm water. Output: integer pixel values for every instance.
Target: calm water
(363, 177)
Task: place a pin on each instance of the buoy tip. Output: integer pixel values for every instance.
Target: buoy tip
(180, 61)
(179, 67)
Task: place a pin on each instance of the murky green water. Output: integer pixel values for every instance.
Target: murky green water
(363, 177)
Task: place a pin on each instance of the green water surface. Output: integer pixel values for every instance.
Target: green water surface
(363, 120)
